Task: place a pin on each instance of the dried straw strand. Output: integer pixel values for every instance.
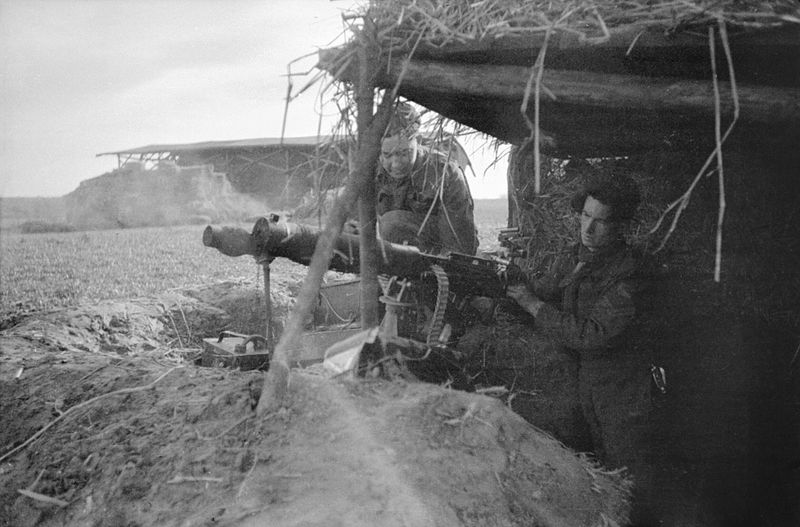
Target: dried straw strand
(459, 21)
(683, 201)
(720, 168)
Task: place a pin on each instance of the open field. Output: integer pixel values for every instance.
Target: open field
(52, 270)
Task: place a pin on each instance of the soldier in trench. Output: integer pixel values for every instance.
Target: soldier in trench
(423, 198)
(584, 306)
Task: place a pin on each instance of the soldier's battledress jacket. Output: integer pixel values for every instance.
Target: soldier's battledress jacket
(439, 186)
(597, 297)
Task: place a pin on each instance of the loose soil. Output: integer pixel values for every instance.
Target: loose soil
(139, 435)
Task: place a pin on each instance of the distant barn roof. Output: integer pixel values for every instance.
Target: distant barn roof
(236, 144)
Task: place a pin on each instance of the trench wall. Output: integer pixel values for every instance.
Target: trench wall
(729, 429)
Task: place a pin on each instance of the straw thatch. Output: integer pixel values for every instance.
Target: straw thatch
(480, 62)
(595, 78)
(438, 23)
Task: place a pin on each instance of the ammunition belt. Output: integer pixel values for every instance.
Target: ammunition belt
(442, 294)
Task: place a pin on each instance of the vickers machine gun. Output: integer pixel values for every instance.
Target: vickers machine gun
(425, 296)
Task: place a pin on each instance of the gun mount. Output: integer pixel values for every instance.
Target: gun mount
(424, 294)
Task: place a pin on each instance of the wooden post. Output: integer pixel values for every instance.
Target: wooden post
(277, 377)
(367, 218)
(267, 304)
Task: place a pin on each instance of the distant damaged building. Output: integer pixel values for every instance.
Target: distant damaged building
(167, 184)
(276, 170)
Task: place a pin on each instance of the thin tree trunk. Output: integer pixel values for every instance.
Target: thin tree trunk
(276, 378)
(365, 99)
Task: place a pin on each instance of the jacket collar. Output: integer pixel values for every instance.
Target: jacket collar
(600, 255)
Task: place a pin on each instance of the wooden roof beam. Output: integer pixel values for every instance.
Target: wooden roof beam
(590, 113)
(758, 104)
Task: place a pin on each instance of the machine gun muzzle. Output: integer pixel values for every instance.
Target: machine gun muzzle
(230, 241)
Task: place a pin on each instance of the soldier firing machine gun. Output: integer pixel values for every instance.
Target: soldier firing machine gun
(424, 294)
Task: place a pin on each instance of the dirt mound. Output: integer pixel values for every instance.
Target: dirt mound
(132, 435)
(541, 378)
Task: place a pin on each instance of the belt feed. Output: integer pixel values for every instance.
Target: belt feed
(442, 292)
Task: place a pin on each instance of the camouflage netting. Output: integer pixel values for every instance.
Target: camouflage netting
(166, 195)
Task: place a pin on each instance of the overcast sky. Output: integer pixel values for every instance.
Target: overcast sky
(80, 77)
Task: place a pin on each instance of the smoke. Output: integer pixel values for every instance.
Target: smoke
(133, 196)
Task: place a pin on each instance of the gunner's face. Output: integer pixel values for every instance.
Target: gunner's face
(398, 154)
(597, 228)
